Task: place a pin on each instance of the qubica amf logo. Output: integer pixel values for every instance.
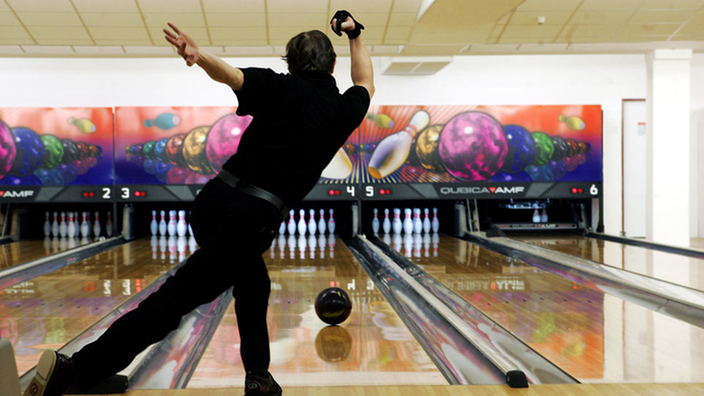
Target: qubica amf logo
(482, 190)
(16, 194)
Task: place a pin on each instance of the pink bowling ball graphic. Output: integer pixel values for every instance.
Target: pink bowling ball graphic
(473, 146)
(224, 138)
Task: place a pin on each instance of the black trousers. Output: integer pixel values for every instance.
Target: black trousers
(233, 230)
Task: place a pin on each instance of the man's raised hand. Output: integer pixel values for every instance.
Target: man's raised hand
(187, 48)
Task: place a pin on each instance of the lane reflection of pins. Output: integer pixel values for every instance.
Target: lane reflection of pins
(181, 243)
(312, 244)
(272, 249)
(192, 244)
(47, 244)
(426, 244)
(387, 238)
(55, 244)
(322, 241)
(408, 245)
(331, 244)
(282, 245)
(393, 150)
(340, 166)
(162, 248)
(173, 254)
(154, 243)
(302, 242)
(417, 244)
(63, 243)
(291, 247)
(436, 241)
(398, 242)
(72, 242)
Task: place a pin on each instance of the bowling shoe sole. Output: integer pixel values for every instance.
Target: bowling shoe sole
(45, 369)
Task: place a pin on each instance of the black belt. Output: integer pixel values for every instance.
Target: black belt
(234, 182)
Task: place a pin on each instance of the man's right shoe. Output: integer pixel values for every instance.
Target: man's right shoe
(54, 375)
(258, 385)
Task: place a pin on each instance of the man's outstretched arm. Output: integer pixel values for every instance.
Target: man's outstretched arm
(361, 67)
(217, 69)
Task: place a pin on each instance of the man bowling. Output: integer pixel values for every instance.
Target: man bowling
(300, 120)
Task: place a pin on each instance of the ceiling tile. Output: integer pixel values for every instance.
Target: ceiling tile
(590, 31)
(127, 6)
(15, 41)
(241, 20)
(370, 19)
(671, 4)
(552, 5)
(182, 20)
(431, 50)
(504, 19)
(402, 19)
(639, 38)
(63, 32)
(198, 34)
(4, 7)
(524, 40)
(311, 21)
(691, 29)
(169, 6)
(531, 31)
(8, 19)
(13, 32)
(250, 50)
(238, 33)
(41, 49)
(112, 19)
(400, 32)
(531, 18)
(113, 33)
(407, 6)
(63, 41)
(43, 5)
(10, 49)
(542, 48)
(238, 42)
(286, 32)
(297, 7)
(234, 6)
(148, 50)
(600, 17)
(49, 19)
(112, 41)
(98, 50)
(610, 5)
(649, 29)
(660, 16)
(359, 6)
(699, 37)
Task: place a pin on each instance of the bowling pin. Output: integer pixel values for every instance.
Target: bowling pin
(162, 223)
(291, 222)
(154, 226)
(331, 223)
(544, 216)
(417, 223)
(302, 228)
(55, 226)
(96, 226)
(392, 152)
(181, 226)
(108, 225)
(386, 225)
(397, 225)
(321, 222)
(375, 222)
(85, 225)
(63, 227)
(171, 227)
(190, 230)
(435, 224)
(536, 216)
(47, 225)
(407, 221)
(282, 227)
(426, 221)
(340, 166)
(312, 225)
(71, 225)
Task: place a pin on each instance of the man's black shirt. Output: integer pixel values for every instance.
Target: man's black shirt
(299, 123)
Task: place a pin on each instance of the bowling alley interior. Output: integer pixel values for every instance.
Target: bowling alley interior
(519, 212)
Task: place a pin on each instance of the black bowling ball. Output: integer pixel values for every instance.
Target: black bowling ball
(333, 305)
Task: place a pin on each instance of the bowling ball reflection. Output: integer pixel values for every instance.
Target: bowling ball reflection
(333, 305)
(333, 344)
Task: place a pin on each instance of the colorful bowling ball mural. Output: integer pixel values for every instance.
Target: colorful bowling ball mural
(510, 144)
(54, 146)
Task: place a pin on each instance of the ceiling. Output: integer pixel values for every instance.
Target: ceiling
(95, 28)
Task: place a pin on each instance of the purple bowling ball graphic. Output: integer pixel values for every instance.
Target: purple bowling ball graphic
(473, 146)
(224, 138)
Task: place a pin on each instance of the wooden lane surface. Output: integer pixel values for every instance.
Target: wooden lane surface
(373, 347)
(15, 253)
(593, 336)
(674, 268)
(50, 310)
(457, 390)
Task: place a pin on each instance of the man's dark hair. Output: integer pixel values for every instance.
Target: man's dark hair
(310, 51)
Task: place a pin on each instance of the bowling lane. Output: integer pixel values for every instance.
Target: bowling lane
(15, 253)
(674, 268)
(373, 347)
(593, 336)
(50, 310)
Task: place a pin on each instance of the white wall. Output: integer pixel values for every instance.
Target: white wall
(548, 79)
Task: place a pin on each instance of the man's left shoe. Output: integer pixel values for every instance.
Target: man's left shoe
(262, 386)
(54, 375)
